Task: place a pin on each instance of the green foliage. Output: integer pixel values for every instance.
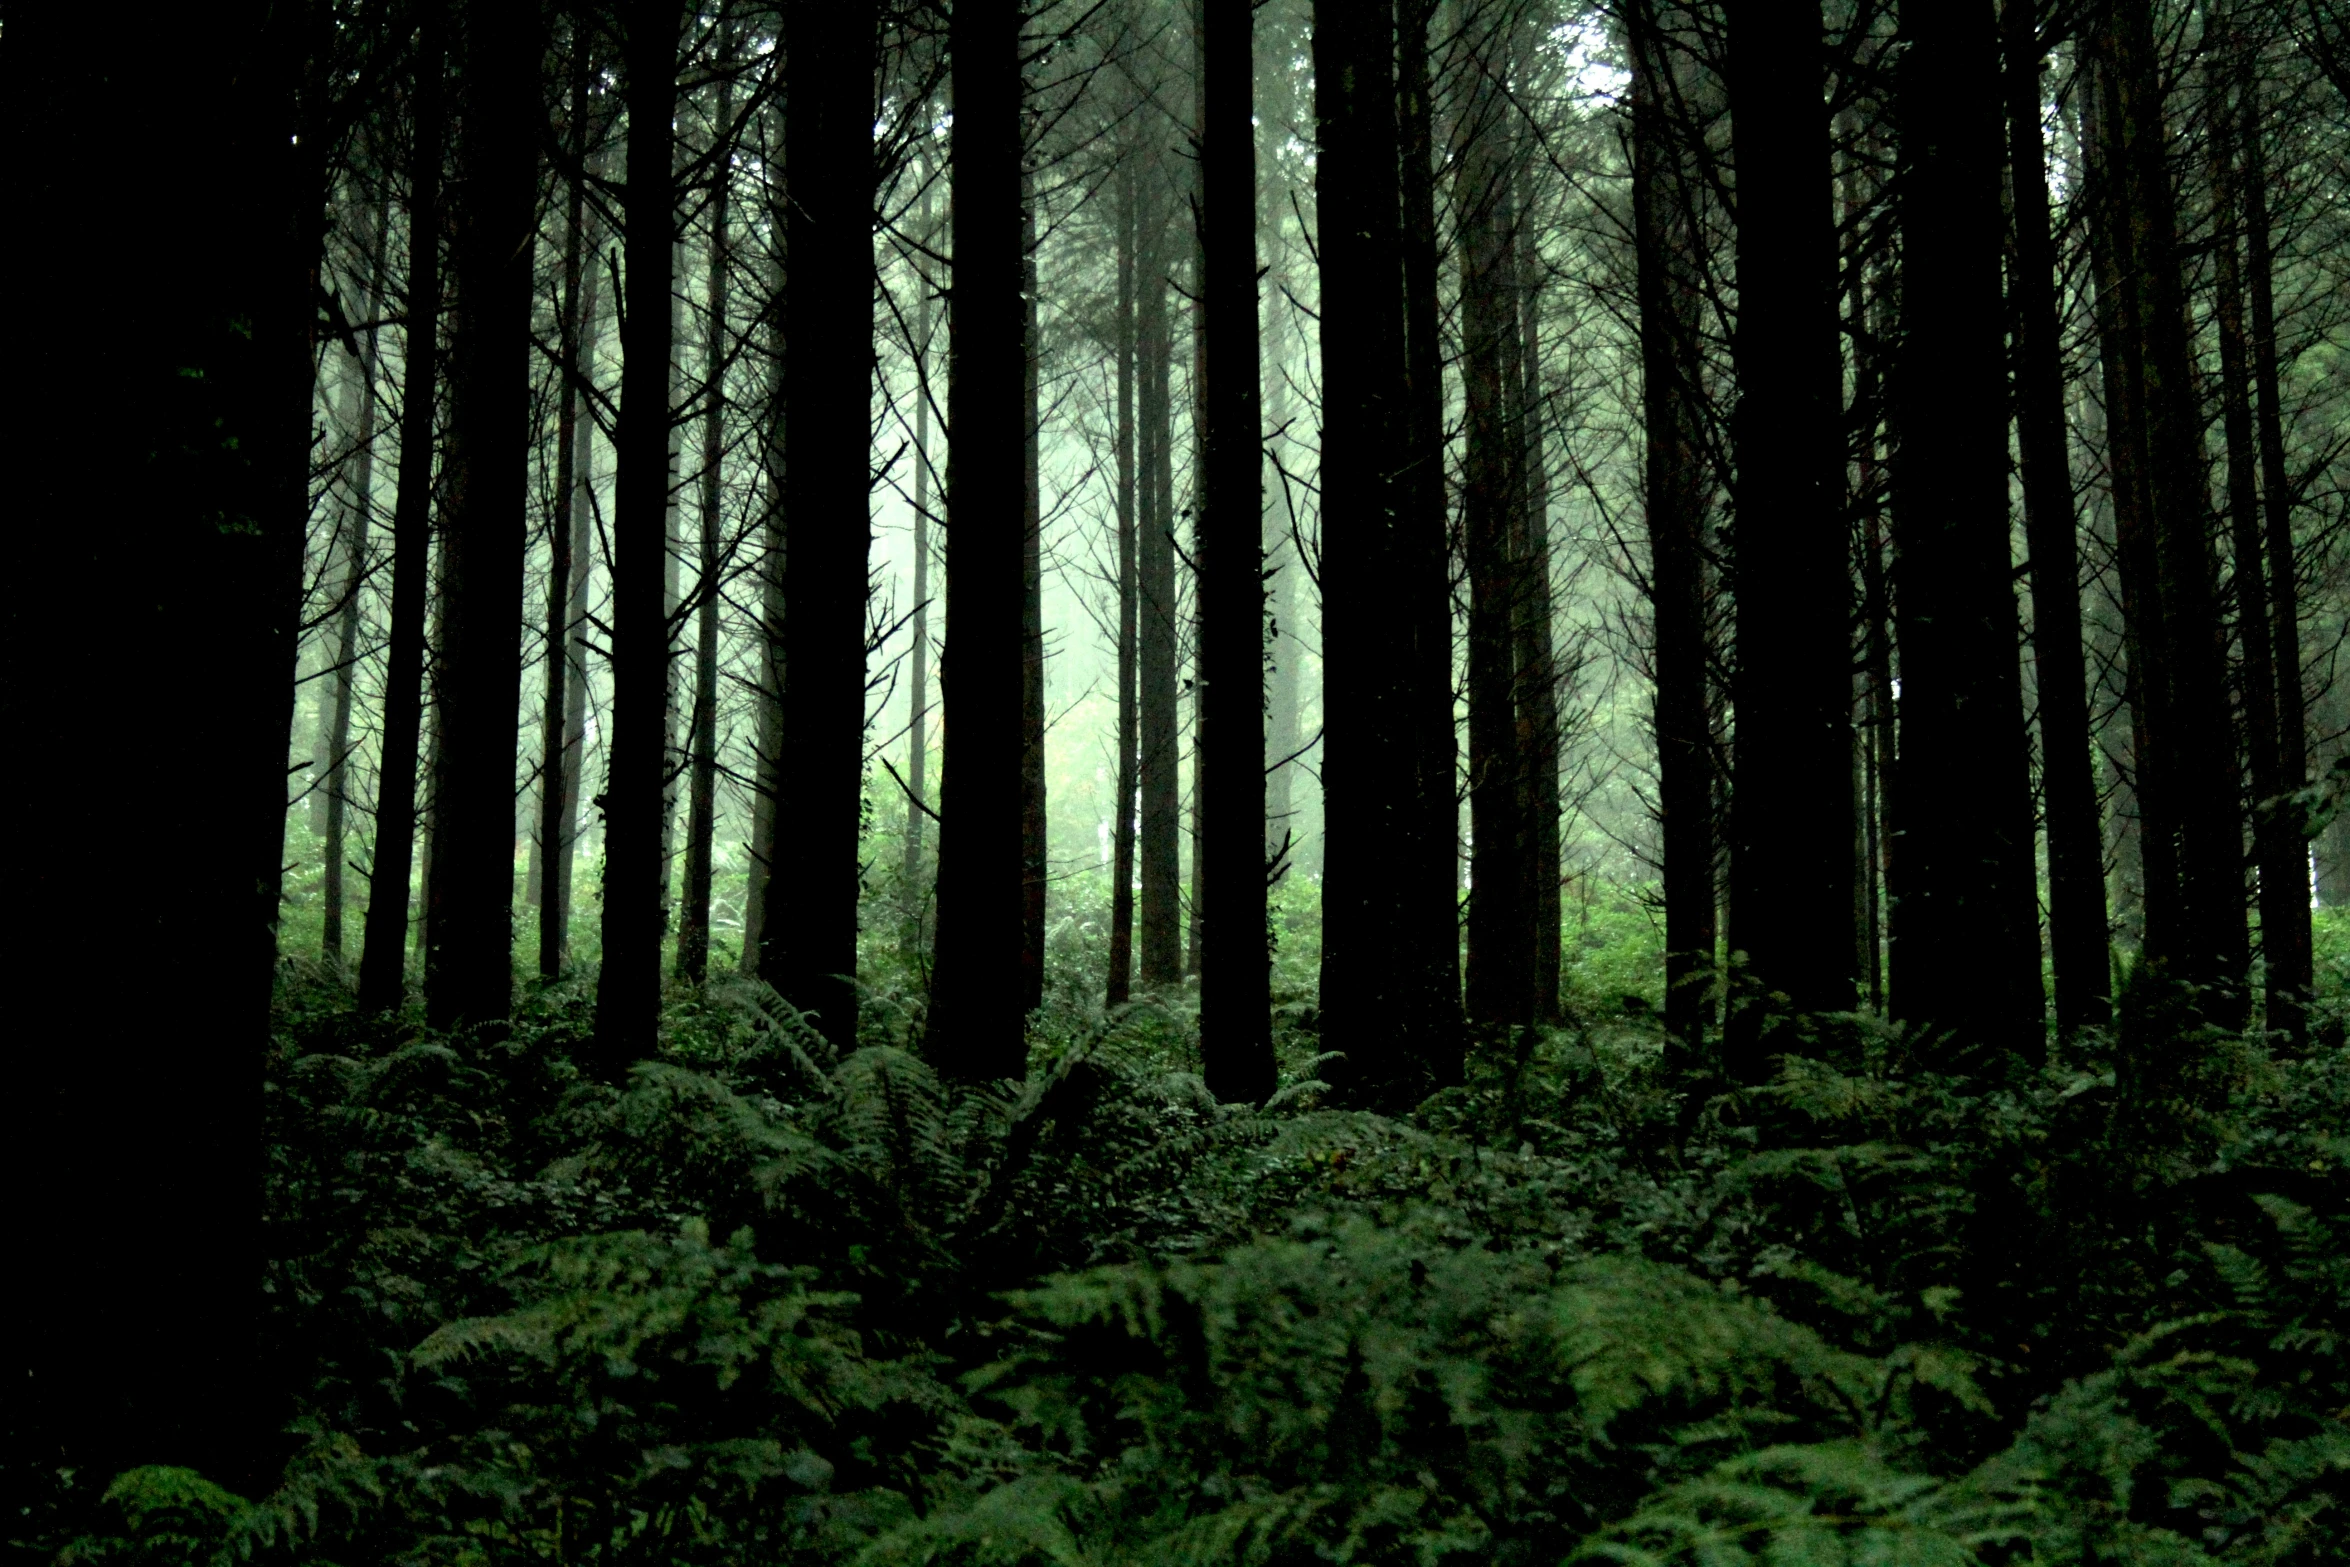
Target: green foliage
(2091, 1313)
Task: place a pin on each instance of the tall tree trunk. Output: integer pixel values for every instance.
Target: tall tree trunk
(383, 960)
(1675, 505)
(1121, 979)
(693, 926)
(1965, 929)
(1500, 921)
(2195, 925)
(918, 730)
(975, 1027)
(1236, 1039)
(1538, 673)
(1792, 816)
(469, 967)
(1282, 717)
(2284, 929)
(1159, 915)
(1432, 897)
(1387, 997)
(628, 989)
(558, 788)
(357, 516)
(2280, 849)
(2076, 868)
(1034, 868)
(767, 762)
(811, 936)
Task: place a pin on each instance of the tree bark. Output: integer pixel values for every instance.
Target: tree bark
(2076, 871)
(1035, 870)
(358, 511)
(1965, 949)
(1791, 868)
(628, 989)
(693, 926)
(811, 936)
(1675, 505)
(1121, 979)
(975, 1028)
(1235, 964)
(1159, 915)
(557, 785)
(1386, 993)
(383, 960)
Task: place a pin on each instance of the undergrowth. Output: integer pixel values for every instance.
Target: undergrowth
(770, 1304)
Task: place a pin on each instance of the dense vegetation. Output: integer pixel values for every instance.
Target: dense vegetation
(767, 1302)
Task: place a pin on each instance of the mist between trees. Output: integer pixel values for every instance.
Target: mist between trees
(1365, 558)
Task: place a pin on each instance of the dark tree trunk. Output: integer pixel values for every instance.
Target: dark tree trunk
(2076, 869)
(1159, 915)
(1432, 886)
(1500, 968)
(2186, 757)
(1965, 949)
(1034, 869)
(1387, 1000)
(357, 516)
(976, 1020)
(1792, 817)
(1675, 504)
(558, 787)
(1538, 673)
(581, 504)
(1121, 979)
(811, 936)
(383, 960)
(469, 967)
(693, 926)
(2280, 850)
(767, 761)
(2284, 929)
(918, 731)
(628, 989)
(1235, 969)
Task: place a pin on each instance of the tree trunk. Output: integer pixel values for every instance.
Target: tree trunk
(767, 763)
(1159, 915)
(1121, 979)
(918, 731)
(628, 989)
(357, 517)
(1034, 869)
(1965, 949)
(975, 1027)
(383, 960)
(1500, 968)
(1538, 673)
(1235, 970)
(1792, 818)
(1675, 505)
(469, 967)
(693, 926)
(2076, 870)
(1386, 997)
(557, 785)
(811, 936)
(2284, 928)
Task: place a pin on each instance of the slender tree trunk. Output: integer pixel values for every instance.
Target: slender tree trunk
(628, 990)
(1965, 933)
(1675, 504)
(975, 1026)
(767, 764)
(357, 516)
(469, 967)
(918, 732)
(581, 503)
(693, 928)
(2284, 928)
(1387, 996)
(1432, 897)
(1120, 987)
(383, 961)
(1159, 916)
(1538, 673)
(2076, 872)
(1500, 968)
(2189, 756)
(1035, 870)
(1791, 854)
(557, 787)
(1282, 718)
(811, 937)
(1235, 964)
